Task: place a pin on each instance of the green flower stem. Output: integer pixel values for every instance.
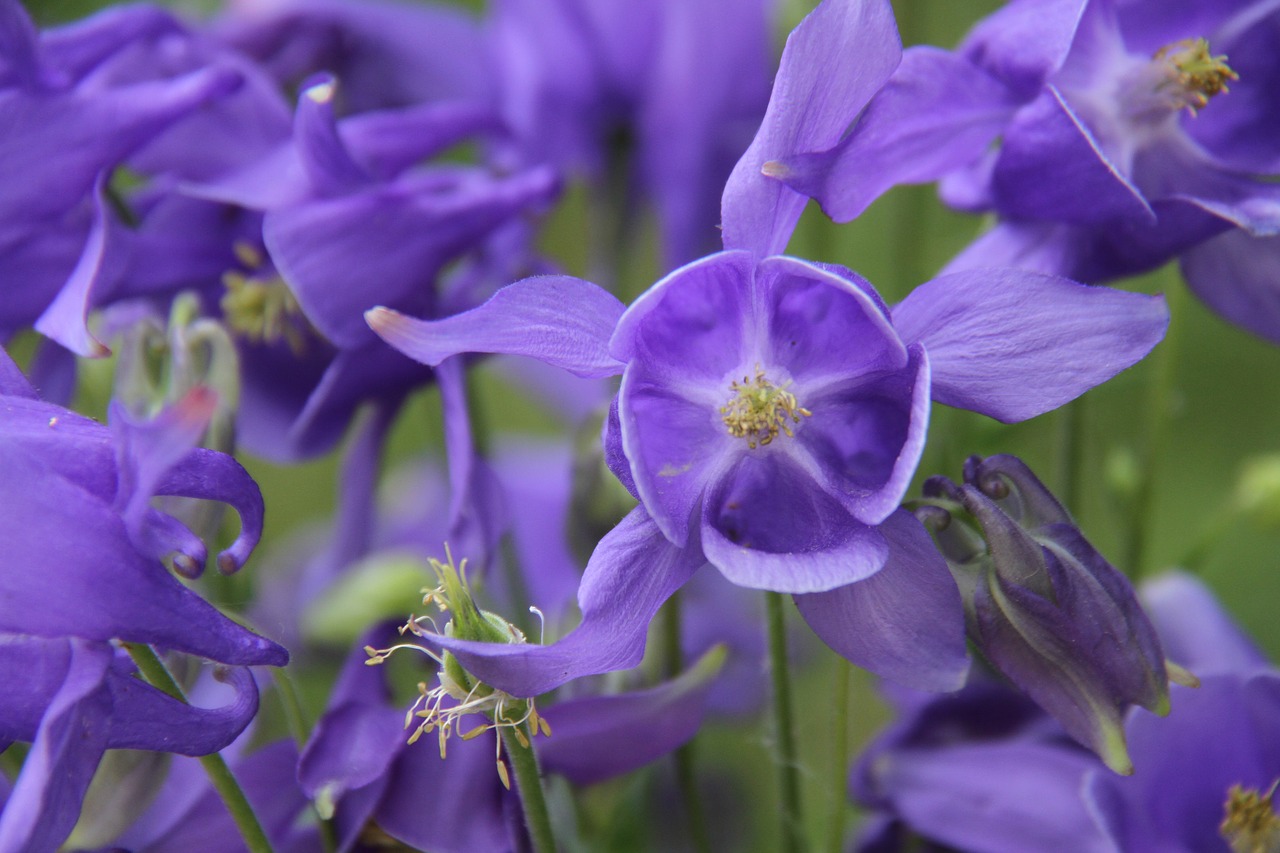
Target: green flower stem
(1158, 417)
(788, 775)
(1071, 442)
(840, 757)
(524, 761)
(224, 782)
(686, 779)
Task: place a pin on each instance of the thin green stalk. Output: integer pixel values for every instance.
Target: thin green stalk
(224, 782)
(294, 720)
(529, 787)
(788, 767)
(840, 757)
(1071, 442)
(686, 779)
(1159, 415)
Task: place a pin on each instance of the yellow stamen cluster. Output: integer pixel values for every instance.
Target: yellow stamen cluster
(759, 410)
(262, 310)
(1251, 824)
(1194, 74)
(440, 708)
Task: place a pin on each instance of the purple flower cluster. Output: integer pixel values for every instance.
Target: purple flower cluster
(287, 221)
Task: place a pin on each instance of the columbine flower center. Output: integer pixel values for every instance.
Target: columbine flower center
(1251, 824)
(441, 708)
(259, 309)
(1185, 75)
(759, 410)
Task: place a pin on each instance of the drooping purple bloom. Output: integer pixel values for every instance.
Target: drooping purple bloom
(772, 409)
(187, 814)
(79, 526)
(349, 220)
(656, 96)
(359, 762)
(387, 54)
(1131, 133)
(1044, 607)
(73, 699)
(82, 567)
(69, 117)
(984, 771)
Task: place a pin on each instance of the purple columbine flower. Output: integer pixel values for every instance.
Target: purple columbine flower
(68, 117)
(81, 568)
(361, 764)
(1043, 606)
(1130, 132)
(79, 526)
(983, 770)
(346, 202)
(604, 91)
(73, 699)
(772, 409)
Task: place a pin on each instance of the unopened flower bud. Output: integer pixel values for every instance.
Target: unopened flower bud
(1046, 609)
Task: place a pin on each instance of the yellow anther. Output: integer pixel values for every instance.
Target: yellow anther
(1195, 75)
(247, 254)
(263, 311)
(1251, 824)
(759, 410)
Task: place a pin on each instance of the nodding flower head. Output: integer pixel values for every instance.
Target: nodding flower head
(1046, 609)
(458, 694)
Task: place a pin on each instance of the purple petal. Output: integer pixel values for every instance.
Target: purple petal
(527, 318)
(593, 739)
(825, 324)
(213, 476)
(726, 47)
(632, 572)
(450, 805)
(1194, 629)
(1185, 172)
(1051, 167)
(393, 140)
(1234, 274)
(1013, 345)
(398, 236)
(144, 717)
(147, 449)
(63, 546)
(352, 745)
(834, 61)
(937, 113)
(203, 826)
(45, 802)
(12, 382)
(1240, 131)
(324, 156)
(88, 133)
(1002, 797)
(1220, 734)
(691, 324)
(768, 525)
(1025, 41)
(674, 447)
(865, 439)
(66, 318)
(19, 45)
(905, 622)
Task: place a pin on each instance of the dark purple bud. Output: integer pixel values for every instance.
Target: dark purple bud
(1046, 609)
